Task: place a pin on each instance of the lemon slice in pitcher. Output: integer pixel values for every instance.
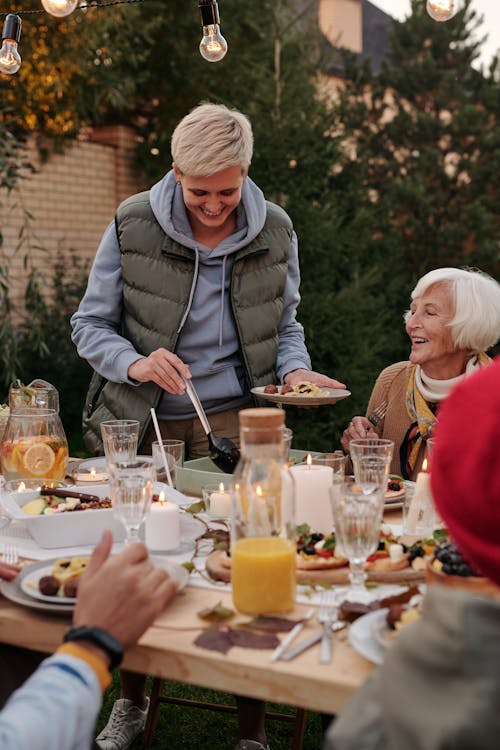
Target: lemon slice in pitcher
(39, 459)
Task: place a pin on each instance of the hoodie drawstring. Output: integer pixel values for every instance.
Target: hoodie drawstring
(222, 295)
(191, 291)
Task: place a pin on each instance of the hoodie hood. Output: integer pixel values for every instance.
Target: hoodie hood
(168, 207)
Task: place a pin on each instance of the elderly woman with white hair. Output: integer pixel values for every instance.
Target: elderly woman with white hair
(454, 318)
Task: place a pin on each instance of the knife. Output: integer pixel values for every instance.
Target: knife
(311, 641)
(291, 636)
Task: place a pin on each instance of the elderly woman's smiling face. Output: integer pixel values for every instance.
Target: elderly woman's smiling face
(428, 327)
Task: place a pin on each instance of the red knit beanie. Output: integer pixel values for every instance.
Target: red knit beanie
(465, 468)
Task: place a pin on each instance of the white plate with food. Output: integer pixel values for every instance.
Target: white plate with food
(24, 589)
(316, 396)
(361, 635)
(30, 583)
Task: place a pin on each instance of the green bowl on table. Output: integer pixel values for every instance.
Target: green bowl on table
(194, 474)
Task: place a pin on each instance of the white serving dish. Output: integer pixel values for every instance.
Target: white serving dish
(76, 528)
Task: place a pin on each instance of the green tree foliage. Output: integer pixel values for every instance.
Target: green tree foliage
(398, 175)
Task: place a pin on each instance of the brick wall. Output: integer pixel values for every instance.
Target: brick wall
(71, 197)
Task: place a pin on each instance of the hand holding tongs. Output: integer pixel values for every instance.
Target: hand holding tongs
(223, 452)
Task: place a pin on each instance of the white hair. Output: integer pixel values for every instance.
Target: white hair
(475, 327)
(211, 138)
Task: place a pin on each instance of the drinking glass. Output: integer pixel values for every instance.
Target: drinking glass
(131, 493)
(357, 519)
(119, 438)
(174, 453)
(335, 461)
(371, 459)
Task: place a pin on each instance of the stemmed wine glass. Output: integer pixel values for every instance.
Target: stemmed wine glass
(131, 492)
(371, 459)
(357, 519)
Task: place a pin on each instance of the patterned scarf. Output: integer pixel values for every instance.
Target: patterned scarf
(422, 419)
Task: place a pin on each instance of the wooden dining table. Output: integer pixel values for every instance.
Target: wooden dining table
(167, 650)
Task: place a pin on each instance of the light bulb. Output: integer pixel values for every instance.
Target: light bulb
(10, 59)
(213, 46)
(59, 8)
(440, 10)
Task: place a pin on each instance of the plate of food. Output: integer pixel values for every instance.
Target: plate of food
(303, 393)
(319, 562)
(396, 618)
(54, 581)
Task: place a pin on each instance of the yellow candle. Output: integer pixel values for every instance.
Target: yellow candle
(263, 575)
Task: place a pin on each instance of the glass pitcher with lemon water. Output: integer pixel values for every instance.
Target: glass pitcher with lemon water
(263, 518)
(34, 445)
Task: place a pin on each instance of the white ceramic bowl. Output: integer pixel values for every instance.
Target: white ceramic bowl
(73, 529)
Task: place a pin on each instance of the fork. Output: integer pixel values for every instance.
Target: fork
(377, 415)
(327, 616)
(10, 554)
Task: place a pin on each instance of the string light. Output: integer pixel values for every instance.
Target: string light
(213, 46)
(440, 10)
(10, 59)
(59, 8)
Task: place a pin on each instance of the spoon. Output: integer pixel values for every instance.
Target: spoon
(224, 453)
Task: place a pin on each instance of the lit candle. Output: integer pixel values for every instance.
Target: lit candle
(220, 502)
(312, 495)
(419, 515)
(163, 531)
(91, 476)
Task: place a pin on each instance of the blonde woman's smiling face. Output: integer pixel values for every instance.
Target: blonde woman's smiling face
(428, 326)
(210, 201)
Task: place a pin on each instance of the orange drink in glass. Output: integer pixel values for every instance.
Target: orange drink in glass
(263, 575)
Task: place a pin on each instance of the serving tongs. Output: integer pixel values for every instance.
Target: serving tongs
(224, 453)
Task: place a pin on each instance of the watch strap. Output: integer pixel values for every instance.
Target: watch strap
(101, 638)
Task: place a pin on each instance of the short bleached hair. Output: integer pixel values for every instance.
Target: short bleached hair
(475, 327)
(211, 138)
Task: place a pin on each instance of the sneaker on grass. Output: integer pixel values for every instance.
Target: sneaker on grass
(125, 723)
(250, 745)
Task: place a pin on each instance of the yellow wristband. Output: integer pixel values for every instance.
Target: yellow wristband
(94, 661)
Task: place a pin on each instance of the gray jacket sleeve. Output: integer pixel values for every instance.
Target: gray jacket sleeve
(292, 351)
(97, 320)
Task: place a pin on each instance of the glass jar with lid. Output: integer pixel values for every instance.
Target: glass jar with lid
(34, 445)
(263, 521)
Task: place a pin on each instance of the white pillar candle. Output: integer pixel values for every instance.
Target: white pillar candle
(312, 496)
(419, 516)
(163, 530)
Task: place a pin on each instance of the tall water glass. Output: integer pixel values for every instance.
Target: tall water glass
(119, 438)
(131, 484)
(357, 518)
(371, 459)
(174, 455)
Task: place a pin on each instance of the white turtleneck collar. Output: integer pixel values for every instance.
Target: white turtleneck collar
(436, 390)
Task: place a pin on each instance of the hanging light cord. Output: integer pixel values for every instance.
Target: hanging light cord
(80, 7)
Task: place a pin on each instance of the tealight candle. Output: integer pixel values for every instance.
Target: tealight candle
(312, 496)
(163, 526)
(92, 475)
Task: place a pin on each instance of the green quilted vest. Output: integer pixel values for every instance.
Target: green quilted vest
(158, 274)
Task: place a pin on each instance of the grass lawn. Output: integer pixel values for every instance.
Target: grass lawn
(182, 728)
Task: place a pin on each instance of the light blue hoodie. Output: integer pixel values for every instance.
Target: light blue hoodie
(208, 340)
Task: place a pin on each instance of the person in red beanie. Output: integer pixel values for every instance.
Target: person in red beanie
(439, 685)
(465, 476)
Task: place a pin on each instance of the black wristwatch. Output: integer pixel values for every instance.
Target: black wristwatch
(101, 638)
